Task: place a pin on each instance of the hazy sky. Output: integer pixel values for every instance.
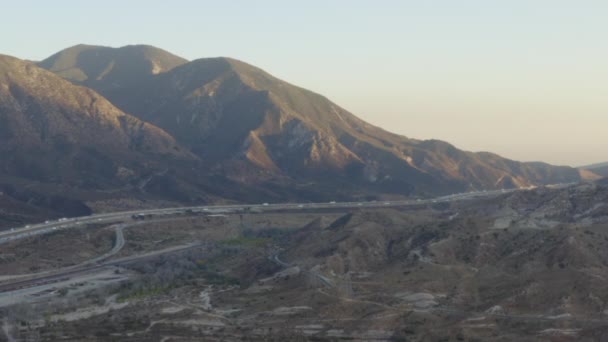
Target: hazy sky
(527, 79)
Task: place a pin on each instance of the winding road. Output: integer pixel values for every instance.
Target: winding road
(33, 280)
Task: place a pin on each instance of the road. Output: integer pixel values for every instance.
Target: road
(118, 245)
(7, 289)
(13, 234)
(97, 263)
(100, 263)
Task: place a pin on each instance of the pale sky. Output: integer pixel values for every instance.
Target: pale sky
(527, 79)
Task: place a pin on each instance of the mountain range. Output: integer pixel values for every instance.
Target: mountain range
(599, 169)
(140, 122)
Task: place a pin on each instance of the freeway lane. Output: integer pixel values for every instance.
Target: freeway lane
(90, 267)
(119, 243)
(48, 227)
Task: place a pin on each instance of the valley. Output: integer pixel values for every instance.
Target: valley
(314, 171)
(524, 265)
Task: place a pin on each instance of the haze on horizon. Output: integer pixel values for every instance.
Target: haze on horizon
(523, 79)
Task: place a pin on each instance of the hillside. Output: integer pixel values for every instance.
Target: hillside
(53, 132)
(110, 70)
(599, 169)
(256, 127)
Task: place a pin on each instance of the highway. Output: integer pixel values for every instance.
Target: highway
(99, 263)
(32, 280)
(13, 234)
(119, 243)
(95, 265)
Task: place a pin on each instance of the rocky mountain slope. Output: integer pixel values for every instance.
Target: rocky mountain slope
(46, 118)
(257, 127)
(239, 132)
(53, 132)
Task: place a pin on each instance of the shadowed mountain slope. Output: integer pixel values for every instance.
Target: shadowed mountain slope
(230, 112)
(53, 132)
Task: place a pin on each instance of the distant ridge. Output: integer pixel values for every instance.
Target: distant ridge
(62, 137)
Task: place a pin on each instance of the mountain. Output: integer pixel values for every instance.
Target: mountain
(109, 70)
(599, 169)
(257, 128)
(54, 133)
(46, 118)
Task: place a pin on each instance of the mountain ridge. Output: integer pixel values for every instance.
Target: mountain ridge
(256, 128)
(60, 140)
(600, 169)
